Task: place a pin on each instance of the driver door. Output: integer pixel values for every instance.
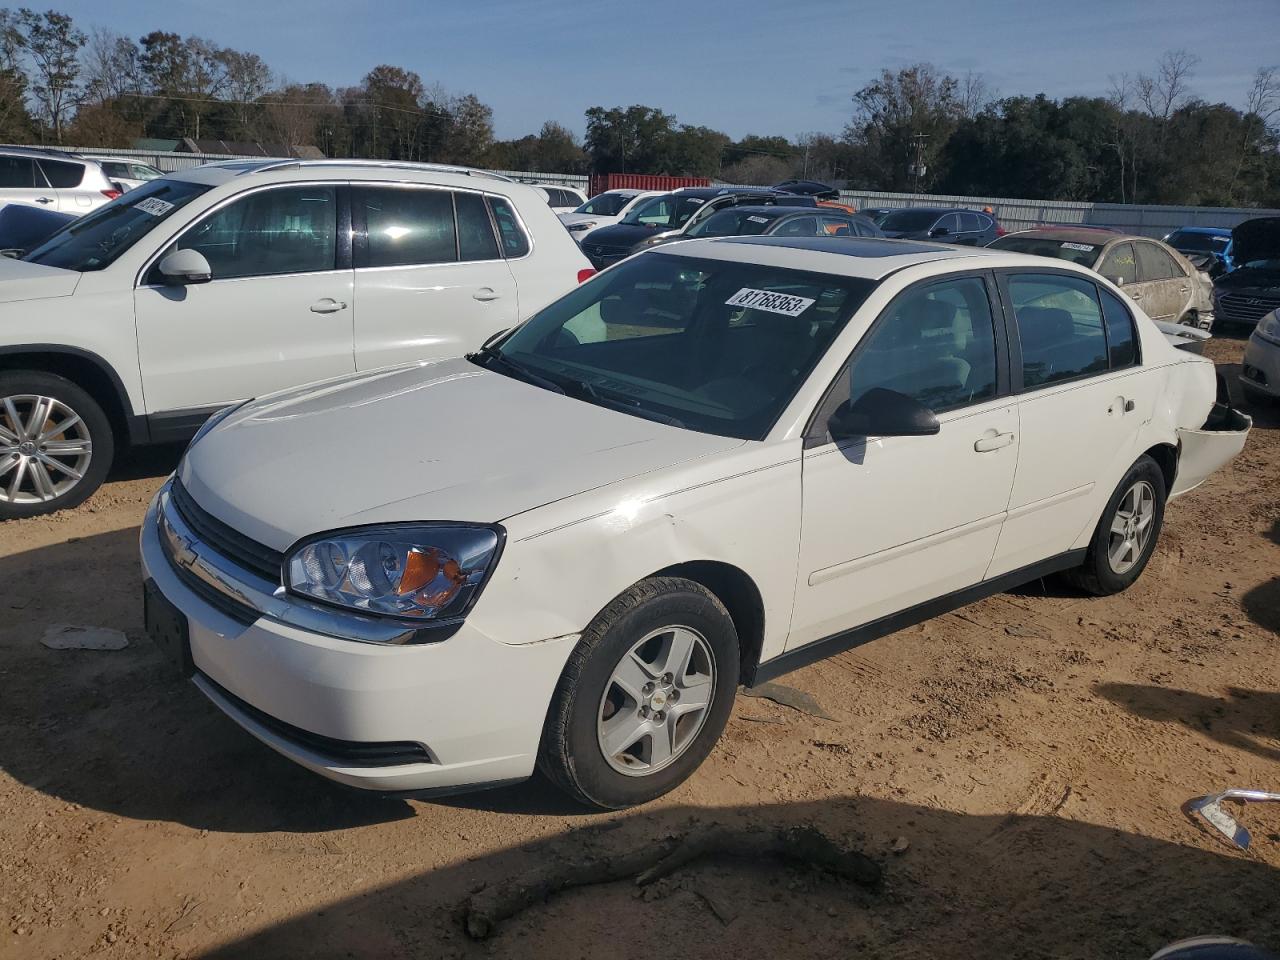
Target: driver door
(892, 522)
(277, 313)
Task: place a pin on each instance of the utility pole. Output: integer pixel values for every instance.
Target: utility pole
(917, 168)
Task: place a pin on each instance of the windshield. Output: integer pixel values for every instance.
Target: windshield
(1082, 253)
(731, 223)
(907, 220)
(94, 241)
(1197, 242)
(605, 205)
(668, 211)
(711, 345)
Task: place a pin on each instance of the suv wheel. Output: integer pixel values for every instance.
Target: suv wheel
(644, 696)
(1127, 533)
(55, 444)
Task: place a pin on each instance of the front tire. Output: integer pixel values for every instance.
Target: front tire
(56, 444)
(1126, 535)
(644, 696)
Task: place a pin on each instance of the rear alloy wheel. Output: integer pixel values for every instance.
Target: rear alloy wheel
(1126, 535)
(55, 444)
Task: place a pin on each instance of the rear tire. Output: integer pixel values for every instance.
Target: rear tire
(56, 444)
(1126, 535)
(633, 715)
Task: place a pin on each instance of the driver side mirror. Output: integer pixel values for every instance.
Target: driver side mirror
(881, 412)
(939, 232)
(186, 266)
(1118, 281)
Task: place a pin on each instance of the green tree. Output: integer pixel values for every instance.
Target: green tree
(634, 139)
(52, 44)
(16, 124)
(903, 119)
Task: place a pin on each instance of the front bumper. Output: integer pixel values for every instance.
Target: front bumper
(474, 704)
(1260, 371)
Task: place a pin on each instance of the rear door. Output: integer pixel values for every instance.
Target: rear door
(22, 182)
(971, 229)
(947, 228)
(277, 312)
(1082, 399)
(430, 276)
(1167, 287)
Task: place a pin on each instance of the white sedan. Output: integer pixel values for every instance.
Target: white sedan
(711, 464)
(603, 210)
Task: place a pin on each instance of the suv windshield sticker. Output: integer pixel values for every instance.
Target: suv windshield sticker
(771, 302)
(755, 219)
(154, 206)
(1086, 247)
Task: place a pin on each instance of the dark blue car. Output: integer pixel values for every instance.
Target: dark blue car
(1209, 248)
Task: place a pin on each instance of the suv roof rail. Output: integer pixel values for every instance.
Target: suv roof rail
(284, 164)
(51, 152)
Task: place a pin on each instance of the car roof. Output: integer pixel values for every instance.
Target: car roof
(115, 159)
(865, 257)
(707, 193)
(39, 152)
(285, 171)
(1211, 231)
(1093, 235)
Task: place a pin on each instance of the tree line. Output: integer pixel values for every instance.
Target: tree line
(1149, 140)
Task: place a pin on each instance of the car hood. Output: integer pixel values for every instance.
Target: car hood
(1257, 239)
(1252, 279)
(20, 280)
(625, 234)
(442, 440)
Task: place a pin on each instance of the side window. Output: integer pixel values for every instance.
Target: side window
(140, 171)
(1121, 336)
(272, 232)
(949, 223)
(1059, 326)
(799, 227)
(510, 232)
(1119, 264)
(837, 227)
(406, 226)
(62, 174)
(1155, 264)
(19, 172)
(935, 343)
(970, 223)
(475, 233)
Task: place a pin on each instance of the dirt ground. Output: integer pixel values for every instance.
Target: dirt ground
(1017, 769)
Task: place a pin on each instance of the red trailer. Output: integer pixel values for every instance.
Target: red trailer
(600, 182)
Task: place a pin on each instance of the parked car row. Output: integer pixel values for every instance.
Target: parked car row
(54, 180)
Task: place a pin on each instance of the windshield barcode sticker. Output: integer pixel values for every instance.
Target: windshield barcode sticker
(767, 300)
(1086, 247)
(154, 206)
(755, 219)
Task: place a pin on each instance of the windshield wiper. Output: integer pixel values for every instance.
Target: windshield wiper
(617, 401)
(489, 354)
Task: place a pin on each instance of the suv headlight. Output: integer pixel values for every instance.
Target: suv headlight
(1269, 326)
(414, 571)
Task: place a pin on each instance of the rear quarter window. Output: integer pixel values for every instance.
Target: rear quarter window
(63, 174)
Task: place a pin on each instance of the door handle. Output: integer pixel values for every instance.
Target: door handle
(44, 200)
(328, 305)
(485, 294)
(992, 441)
(1124, 403)
(1136, 295)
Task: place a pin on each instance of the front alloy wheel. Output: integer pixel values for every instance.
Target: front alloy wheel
(55, 444)
(45, 449)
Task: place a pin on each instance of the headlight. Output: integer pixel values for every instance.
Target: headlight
(415, 571)
(214, 420)
(578, 227)
(1269, 326)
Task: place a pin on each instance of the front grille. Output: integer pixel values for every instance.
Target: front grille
(385, 753)
(229, 606)
(1243, 308)
(236, 547)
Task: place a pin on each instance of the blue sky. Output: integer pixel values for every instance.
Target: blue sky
(741, 66)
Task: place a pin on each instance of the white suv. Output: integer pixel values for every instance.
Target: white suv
(238, 279)
(715, 462)
(53, 180)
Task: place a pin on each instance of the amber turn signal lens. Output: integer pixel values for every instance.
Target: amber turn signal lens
(420, 569)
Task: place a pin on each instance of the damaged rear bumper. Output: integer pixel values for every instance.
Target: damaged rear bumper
(1204, 450)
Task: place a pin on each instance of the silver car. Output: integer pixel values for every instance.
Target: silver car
(54, 180)
(1158, 278)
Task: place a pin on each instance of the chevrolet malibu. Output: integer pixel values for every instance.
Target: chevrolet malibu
(712, 464)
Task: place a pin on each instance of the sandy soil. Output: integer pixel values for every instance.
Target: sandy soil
(1017, 768)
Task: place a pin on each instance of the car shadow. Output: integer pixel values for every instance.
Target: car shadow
(962, 885)
(1243, 719)
(139, 463)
